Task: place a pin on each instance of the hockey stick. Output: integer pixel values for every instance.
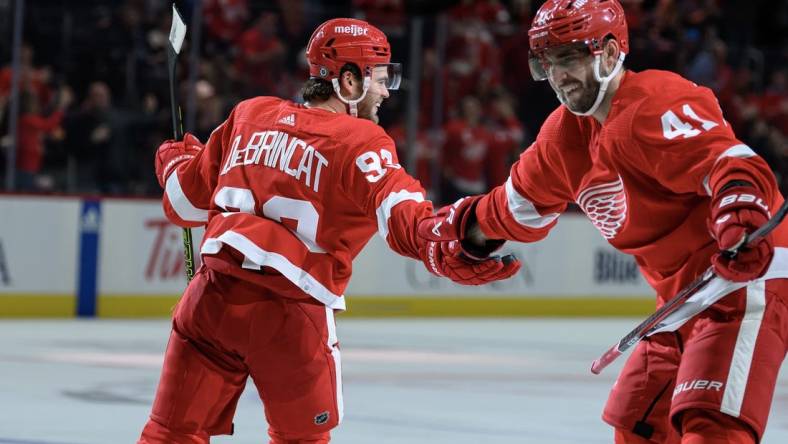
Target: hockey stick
(653, 322)
(177, 34)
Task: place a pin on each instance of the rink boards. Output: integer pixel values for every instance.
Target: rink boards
(65, 256)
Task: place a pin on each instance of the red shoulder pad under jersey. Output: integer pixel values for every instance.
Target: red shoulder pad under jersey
(527, 206)
(188, 191)
(374, 179)
(684, 141)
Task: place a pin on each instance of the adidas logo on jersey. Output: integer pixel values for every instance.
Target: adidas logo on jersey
(288, 120)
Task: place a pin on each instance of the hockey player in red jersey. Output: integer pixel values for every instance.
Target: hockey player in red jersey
(289, 195)
(651, 161)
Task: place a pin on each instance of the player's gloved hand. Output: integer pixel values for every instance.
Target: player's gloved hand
(452, 222)
(446, 259)
(172, 153)
(736, 212)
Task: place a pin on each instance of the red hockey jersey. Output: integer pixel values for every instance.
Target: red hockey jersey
(644, 177)
(298, 190)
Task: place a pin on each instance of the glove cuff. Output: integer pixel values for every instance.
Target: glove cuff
(736, 197)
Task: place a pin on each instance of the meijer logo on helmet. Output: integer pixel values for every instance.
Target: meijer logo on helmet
(354, 30)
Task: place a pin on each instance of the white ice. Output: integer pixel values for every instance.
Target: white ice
(435, 381)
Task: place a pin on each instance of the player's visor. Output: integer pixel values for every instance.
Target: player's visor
(394, 75)
(569, 57)
(537, 66)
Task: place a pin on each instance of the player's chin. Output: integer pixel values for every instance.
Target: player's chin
(578, 106)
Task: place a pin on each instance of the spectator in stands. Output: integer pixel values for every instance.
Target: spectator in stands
(708, 67)
(464, 152)
(224, 20)
(88, 136)
(472, 59)
(507, 137)
(260, 60)
(512, 46)
(424, 149)
(33, 80)
(774, 101)
(32, 127)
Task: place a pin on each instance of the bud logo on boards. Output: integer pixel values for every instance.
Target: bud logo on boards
(165, 260)
(611, 266)
(353, 30)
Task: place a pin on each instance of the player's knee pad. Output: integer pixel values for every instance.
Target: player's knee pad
(289, 438)
(157, 433)
(702, 426)
(195, 393)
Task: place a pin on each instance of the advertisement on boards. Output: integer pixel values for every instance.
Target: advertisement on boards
(573, 261)
(141, 253)
(38, 245)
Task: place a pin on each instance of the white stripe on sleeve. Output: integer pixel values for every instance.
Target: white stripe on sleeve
(524, 211)
(180, 203)
(384, 210)
(740, 150)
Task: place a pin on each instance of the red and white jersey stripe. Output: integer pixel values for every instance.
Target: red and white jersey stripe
(644, 177)
(298, 190)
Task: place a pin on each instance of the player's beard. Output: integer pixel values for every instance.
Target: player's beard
(583, 98)
(367, 108)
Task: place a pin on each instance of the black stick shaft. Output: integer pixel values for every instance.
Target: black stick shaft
(177, 130)
(652, 323)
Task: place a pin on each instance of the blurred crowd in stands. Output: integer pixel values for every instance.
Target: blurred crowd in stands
(94, 100)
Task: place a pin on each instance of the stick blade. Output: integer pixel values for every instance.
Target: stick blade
(610, 355)
(177, 30)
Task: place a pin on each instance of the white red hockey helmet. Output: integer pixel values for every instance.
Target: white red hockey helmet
(578, 22)
(563, 22)
(345, 40)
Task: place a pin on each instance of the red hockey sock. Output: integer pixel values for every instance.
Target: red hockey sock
(700, 426)
(628, 437)
(156, 433)
(281, 438)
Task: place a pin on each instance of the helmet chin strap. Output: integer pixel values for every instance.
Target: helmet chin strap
(352, 104)
(604, 83)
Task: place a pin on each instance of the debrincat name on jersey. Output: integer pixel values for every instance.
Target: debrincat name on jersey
(280, 153)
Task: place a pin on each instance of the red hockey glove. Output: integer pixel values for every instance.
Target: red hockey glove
(171, 154)
(735, 212)
(452, 222)
(446, 259)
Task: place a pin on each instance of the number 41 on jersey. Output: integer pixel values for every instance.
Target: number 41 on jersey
(673, 126)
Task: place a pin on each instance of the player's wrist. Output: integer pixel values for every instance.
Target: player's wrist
(475, 244)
